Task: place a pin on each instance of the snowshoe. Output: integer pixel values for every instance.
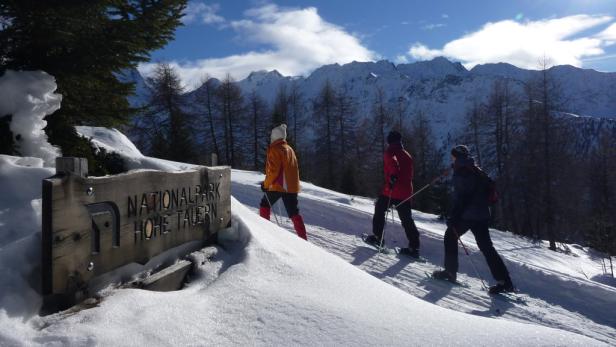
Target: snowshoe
(375, 242)
(444, 276)
(371, 239)
(411, 253)
(502, 287)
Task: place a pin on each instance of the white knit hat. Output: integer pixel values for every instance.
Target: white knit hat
(279, 133)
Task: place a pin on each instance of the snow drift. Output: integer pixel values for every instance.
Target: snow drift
(112, 140)
(20, 234)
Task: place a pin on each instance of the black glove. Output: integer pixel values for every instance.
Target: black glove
(262, 187)
(392, 180)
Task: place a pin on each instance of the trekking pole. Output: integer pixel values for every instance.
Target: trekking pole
(445, 173)
(272, 209)
(471, 259)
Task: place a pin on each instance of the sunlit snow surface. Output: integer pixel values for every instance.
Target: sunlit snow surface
(265, 286)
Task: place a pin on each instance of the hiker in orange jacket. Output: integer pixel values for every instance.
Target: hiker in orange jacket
(282, 179)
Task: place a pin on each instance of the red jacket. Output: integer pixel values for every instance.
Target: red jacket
(398, 162)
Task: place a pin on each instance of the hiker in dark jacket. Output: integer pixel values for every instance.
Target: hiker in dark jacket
(471, 210)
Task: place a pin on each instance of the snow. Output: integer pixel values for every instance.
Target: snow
(565, 291)
(441, 89)
(113, 140)
(20, 225)
(29, 96)
(264, 286)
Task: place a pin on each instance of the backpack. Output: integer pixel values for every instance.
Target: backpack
(488, 185)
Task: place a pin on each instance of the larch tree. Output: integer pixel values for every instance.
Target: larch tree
(324, 110)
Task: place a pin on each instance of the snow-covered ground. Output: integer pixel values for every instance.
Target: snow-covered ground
(264, 286)
(560, 290)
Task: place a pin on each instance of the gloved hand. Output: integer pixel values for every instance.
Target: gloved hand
(392, 180)
(262, 187)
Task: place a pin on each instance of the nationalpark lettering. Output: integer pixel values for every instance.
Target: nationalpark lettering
(162, 212)
(105, 223)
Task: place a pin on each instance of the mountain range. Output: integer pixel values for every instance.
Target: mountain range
(443, 90)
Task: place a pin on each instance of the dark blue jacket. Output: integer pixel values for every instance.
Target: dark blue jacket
(470, 201)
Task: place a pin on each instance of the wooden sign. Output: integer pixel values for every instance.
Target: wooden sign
(94, 225)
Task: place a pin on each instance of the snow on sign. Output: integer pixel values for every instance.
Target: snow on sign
(94, 225)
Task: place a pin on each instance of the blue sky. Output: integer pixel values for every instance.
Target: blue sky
(295, 37)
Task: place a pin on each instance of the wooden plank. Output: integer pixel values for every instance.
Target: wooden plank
(72, 165)
(151, 211)
(46, 239)
(169, 279)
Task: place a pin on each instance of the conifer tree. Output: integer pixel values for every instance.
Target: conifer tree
(382, 116)
(324, 108)
(257, 108)
(427, 161)
(281, 105)
(295, 117)
(601, 223)
(230, 105)
(550, 144)
(205, 97)
(167, 107)
(344, 112)
(85, 45)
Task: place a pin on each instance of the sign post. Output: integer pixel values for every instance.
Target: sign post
(93, 225)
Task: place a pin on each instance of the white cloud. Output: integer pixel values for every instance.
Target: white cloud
(201, 12)
(608, 35)
(525, 44)
(419, 51)
(444, 16)
(433, 26)
(295, 42)
(401, 59)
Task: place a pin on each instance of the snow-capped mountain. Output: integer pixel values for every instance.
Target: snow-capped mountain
(140, 96)
(444, 90)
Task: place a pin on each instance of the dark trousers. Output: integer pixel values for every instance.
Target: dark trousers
(482, 237)
(289, 200)
(404, 211)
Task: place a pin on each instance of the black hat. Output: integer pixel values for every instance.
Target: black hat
(394, 137)
(460, 151)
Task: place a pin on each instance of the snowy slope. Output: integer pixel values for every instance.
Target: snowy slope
(561, 291)
(270, 288)
(265, 286)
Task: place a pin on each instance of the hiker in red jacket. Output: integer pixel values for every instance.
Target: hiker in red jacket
(398, 167)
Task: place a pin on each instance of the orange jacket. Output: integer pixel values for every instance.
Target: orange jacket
(281, 169)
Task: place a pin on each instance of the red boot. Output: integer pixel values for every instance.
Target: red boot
(300, 228)
(265, 212)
